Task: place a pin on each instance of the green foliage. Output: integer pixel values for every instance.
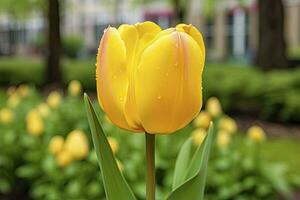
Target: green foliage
(25, 158)
(115, 185)
(72, 46)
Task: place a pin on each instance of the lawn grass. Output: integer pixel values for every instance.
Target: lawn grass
(283, 149)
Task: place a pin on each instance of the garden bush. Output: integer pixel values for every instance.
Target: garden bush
(37, 151)
(273, 95)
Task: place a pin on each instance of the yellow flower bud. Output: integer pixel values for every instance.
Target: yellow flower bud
(114, 145)
(14, 100)
(213, 107)
(223, 139)
(11, 90)
(202, 120)
(77, 144)
(43, 109)
(198, 136)
(148, 79)
(256, 134)
(64, 158)
(34, 123)
(54, 99)
(56, 144)
(6, 116)
(23, 90)
(228, 124)
(75, 88)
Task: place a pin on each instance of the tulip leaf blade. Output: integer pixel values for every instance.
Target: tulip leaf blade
(193, 187)
(115, 185)
(182, 163)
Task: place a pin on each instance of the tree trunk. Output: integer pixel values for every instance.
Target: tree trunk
(272, 47)
(54, 43)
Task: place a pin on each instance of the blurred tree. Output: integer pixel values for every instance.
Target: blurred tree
(272, 48)
(54, 42)
(20, 9)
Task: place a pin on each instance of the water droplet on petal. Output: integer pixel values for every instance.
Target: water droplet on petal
(158, 97)
(167, 74)
(121, 98)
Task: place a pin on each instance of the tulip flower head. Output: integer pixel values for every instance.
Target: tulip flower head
(77, 144)
(223, 139)
(54, 99)
(34, 123)
(256, 134)
(23, 90)
(202, 120)
(43, 109)
(213, 107)
(148, 79)
(64, 158)
(6, 116)
(198, 136)
(56, 144)
(228, 124)
(13, 100)
(75, 88)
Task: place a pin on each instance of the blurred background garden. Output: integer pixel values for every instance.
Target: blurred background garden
(251, 91)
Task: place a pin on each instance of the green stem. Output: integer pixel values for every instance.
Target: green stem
(150, 157)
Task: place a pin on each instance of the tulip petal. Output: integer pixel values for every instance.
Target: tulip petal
(168, 83)
(111, 75)
(144, 33)
(194, 33)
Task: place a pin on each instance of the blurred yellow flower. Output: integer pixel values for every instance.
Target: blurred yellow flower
(256, 134)
(11, 90)
(34, 123)
(6, 116)
(43, 109)
(13, 100)
(198, 136)
(228, 124)
(202, 120)
(77, 144)
(75, 88)
(56, 144)
(113, 144)
(23, 90)
(213, 107)
(149, 79)
(54, 99)
(64, 158)
(223, 139)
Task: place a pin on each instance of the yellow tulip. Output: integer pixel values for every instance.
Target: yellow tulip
(56, 144)
(213, 107)
(202, 120)
(198, 136)
(228, 124)
(23, 90)
(64, 158)
(75, 88)
(223, 139)
(11, 90)
(13, 100)
(150, 79)
(77, 144)
(114, 145)
(256, 134)
(43, 109)
(6, 116)
(54, 99)
(34, 123)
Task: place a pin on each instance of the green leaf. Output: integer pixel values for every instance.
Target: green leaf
(115, 185)
(182, 163)
(193, 187)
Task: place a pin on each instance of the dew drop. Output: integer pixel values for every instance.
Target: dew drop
(121, 98)
(158, 97)
(167, 74)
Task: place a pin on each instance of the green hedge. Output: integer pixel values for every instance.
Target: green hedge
(274, 94)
